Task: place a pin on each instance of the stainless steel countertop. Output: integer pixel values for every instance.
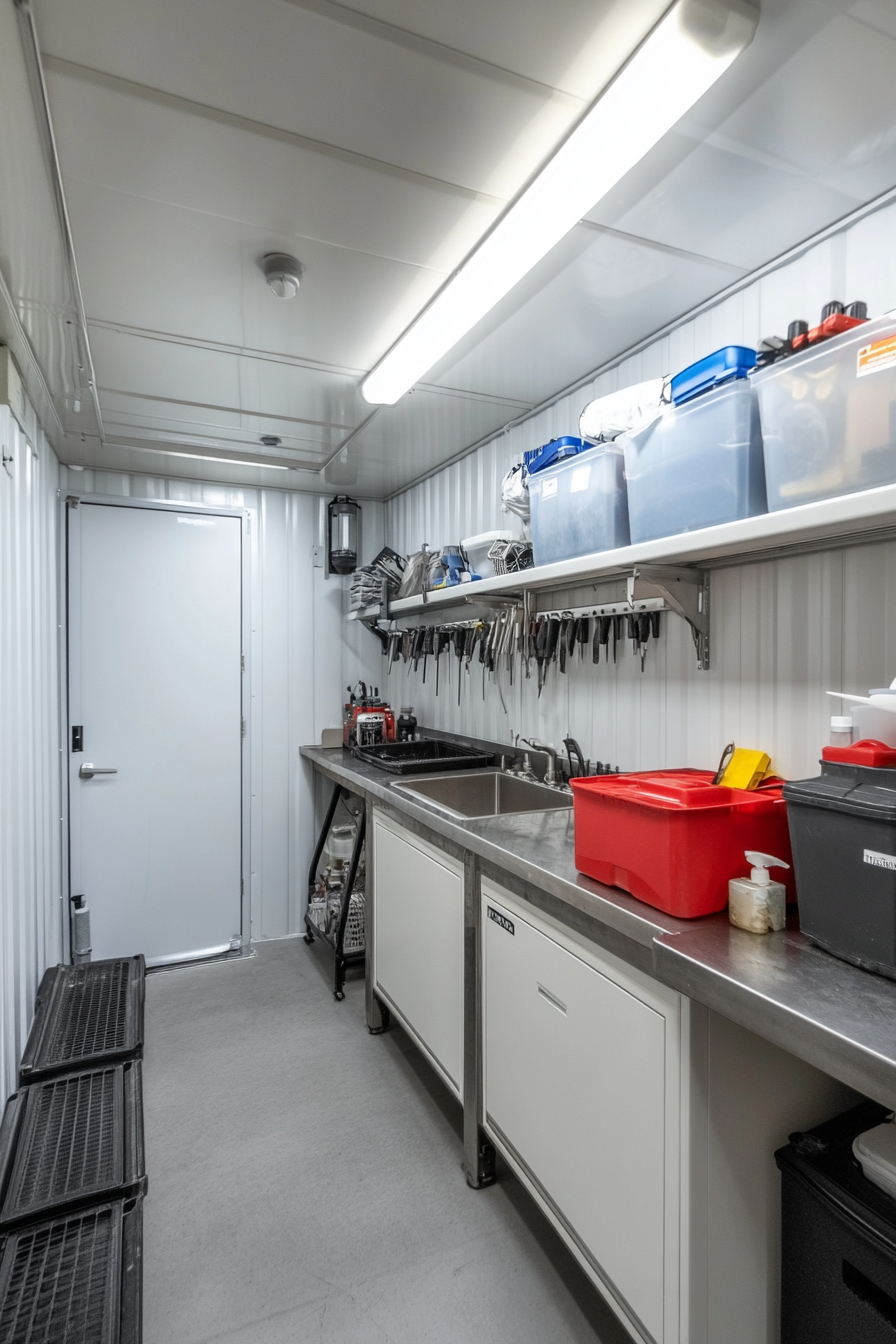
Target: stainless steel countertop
(831, 1014)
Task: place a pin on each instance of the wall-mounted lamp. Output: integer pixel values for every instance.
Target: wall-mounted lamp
(343, 534)
(283, 274)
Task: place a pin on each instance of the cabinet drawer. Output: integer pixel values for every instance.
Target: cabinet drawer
(575, 1083)
(418, 942)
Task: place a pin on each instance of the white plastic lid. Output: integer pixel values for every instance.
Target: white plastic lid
(841, 723)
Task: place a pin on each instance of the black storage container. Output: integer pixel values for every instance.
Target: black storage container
(76, 1279)
(838, 1242)
(86, 1014)
(70, 1140)
(843, 837)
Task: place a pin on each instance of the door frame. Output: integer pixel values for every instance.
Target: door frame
(73, 500)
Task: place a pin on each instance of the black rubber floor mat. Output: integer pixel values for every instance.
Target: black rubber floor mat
(87, 1014)
(74, 1279)
(69, 1139)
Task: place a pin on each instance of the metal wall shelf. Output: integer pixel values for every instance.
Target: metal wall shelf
(845, 520)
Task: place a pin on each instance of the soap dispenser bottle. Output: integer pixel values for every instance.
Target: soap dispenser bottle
(755, 903)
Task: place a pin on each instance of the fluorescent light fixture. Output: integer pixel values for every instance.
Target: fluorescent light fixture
(202, 457)
(681, 58)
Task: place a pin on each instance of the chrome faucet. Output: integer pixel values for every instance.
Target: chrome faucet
(550, 775)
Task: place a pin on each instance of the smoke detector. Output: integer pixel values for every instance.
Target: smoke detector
(283, 274)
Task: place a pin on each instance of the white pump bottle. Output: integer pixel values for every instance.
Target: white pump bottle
(755, 903)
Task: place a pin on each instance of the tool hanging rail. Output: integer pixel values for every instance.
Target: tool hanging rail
(649, 591)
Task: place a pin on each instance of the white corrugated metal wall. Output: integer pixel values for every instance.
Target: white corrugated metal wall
(783, 632)
(30, 834)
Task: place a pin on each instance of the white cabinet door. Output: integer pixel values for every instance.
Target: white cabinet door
(418, 942)
(576, 1087)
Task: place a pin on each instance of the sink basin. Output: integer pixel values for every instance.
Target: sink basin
(484, 793)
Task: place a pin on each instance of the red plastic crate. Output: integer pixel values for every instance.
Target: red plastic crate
(673, 838)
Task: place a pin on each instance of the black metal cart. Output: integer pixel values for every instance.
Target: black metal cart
(348, 937)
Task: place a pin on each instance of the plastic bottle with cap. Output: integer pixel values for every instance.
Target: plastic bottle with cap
(755, 903)
(841, 730)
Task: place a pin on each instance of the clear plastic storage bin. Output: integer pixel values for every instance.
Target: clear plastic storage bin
(829, 417)
(697, 465)
(579, 505)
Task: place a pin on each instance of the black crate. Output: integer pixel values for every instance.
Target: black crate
(76, 1279)
(417, 758)
(838, 1244)
(71, 1139)
(87, 1014)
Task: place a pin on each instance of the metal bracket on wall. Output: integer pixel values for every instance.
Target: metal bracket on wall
(685, 591)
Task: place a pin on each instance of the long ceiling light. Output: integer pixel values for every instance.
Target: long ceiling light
(682, 57)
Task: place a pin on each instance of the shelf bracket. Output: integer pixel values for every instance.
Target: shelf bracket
(685, 591)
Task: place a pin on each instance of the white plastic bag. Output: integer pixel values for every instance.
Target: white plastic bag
(623, 412)
(515, 492)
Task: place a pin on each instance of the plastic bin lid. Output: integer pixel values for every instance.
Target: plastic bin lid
(671, 790)
(867, 752)
(555, 451)
(875, 1151)
(844, 787)
(732, 361)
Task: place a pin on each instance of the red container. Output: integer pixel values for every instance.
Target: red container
(673, 838)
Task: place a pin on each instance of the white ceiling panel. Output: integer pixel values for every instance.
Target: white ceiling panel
(596, 294)
(290, 68)
(403, 442)
(576, 45)
(152, 265)
(111, 136)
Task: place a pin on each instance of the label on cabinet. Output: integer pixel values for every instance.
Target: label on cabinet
(501, 920)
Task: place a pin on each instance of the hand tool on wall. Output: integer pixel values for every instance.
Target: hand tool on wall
(618, 624)
(583, 634)
(605, 623)
(644, 628)
(541, 650)
(429, 637)
(441, 643)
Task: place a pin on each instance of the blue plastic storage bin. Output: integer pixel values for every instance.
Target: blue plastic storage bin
(697, 465)
(579, 505)
(555, 451)
(732, 361)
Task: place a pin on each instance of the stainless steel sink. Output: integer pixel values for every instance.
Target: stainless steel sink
(484, 793)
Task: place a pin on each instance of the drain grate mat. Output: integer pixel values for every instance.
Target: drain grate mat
(74, 1280)
(86, 1014)
(68, 1139)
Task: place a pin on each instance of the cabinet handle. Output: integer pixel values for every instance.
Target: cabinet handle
(552, 999)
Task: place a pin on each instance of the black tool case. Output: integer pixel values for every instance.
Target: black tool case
(86, 1014)
(838, 1242)
(75, 1279)
(71, 1139)
(843, 836)
(417, 758)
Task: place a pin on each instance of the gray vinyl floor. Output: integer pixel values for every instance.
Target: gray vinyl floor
(305, 1180)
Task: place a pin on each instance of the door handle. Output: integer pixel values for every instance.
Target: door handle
(88, 771)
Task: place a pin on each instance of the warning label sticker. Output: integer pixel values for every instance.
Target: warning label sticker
(876, 356)
(878, 860)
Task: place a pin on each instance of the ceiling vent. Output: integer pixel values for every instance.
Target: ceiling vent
(283, 274)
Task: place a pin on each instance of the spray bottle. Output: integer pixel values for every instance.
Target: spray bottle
(755, 903)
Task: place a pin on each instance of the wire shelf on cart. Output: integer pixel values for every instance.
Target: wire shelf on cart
(414, 758)
(86, 1014)
(75, 1279)
(346, 934)
(70, 1139)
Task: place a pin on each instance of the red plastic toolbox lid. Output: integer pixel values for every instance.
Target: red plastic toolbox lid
(669, 790)
(867, 752)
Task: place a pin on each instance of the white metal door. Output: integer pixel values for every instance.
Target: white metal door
(155, 635)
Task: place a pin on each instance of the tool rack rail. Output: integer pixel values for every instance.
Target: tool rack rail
(348, 950)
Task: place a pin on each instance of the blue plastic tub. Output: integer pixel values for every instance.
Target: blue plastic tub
(732, 361)
(552, 452)
(579, 505)
(697, 465)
